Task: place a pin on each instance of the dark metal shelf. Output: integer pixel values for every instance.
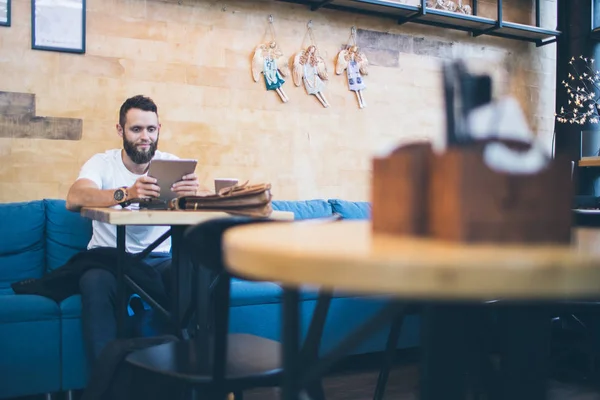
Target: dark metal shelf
(452, 20)
(380, 8)
(474, 24)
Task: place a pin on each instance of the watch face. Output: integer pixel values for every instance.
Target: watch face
(119, 195)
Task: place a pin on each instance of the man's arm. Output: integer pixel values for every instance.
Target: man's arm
(85, 193)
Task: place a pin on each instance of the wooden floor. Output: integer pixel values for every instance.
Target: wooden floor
(357, 385)
(404, 385)
(357, 382)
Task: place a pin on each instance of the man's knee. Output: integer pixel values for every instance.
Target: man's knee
(98, 281)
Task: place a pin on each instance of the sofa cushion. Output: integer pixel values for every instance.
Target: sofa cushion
(351, 209)
(75, 367)
(67, 233)
(25, 307)
(30, 356)
(21, 241)
(304, 209)
(244, 293)
(71, 307)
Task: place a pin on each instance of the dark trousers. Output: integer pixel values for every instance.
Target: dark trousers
(98, 289)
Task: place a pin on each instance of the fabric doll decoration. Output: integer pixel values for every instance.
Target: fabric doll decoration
(269, 60)
(355, 63)
(309, 67)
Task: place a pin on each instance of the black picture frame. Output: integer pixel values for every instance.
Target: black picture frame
(8, 14)
(42, 26)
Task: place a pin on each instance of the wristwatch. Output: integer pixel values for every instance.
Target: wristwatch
(120, 195)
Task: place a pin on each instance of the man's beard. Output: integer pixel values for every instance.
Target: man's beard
(140, 156)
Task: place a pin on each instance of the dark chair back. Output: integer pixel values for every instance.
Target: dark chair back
(211, 287)
(211, 290)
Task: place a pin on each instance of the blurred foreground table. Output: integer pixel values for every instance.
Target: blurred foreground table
(453, 281)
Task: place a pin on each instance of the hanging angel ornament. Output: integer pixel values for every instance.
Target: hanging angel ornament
(269, 60)
(355, 63)
(309, 67)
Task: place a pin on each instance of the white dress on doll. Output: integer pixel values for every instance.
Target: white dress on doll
(312, 81)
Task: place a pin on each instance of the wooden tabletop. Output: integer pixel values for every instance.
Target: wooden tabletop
(162, 217)
(345, 255)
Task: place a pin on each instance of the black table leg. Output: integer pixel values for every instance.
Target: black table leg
(388, 357)
(443, 368)
(122, 299)
(181, 272)
(291, 343)
(525, 362)
(179, 297)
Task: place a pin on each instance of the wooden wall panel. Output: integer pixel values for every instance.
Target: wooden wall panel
(193, 57)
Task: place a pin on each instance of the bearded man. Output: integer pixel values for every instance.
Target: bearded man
(112, 179)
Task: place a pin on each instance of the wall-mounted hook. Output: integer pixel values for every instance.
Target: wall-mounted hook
(270, 19)
(309, 24)
(353, 30)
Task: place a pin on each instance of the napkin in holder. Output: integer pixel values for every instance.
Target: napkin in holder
(495, 181)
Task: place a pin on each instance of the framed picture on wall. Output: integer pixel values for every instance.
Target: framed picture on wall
(4, 12)
(58, 25)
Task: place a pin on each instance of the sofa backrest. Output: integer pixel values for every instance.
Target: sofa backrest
(351, 209)
(42, 235)
(22, 245)
(67, 233)
(304, 209)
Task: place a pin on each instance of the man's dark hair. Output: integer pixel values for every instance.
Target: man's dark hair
(140, 102)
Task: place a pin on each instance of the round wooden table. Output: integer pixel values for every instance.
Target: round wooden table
(347, 256)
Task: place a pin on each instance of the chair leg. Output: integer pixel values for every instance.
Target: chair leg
(388, 358)
(69, 395)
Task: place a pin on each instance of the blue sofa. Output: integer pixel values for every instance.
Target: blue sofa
(41, 347)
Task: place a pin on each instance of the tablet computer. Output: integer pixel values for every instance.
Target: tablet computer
(167, 172)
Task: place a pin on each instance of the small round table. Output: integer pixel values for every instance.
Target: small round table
(450, 278)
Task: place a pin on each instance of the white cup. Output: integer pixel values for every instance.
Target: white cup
(221, 183)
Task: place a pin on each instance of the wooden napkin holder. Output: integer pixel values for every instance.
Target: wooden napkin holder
(470, 202)
(399, 191)
(455, 196)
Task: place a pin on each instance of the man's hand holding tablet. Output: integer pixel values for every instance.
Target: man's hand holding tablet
(174, 178)
(188, 186)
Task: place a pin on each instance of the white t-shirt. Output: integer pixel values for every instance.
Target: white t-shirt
(108, 172)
